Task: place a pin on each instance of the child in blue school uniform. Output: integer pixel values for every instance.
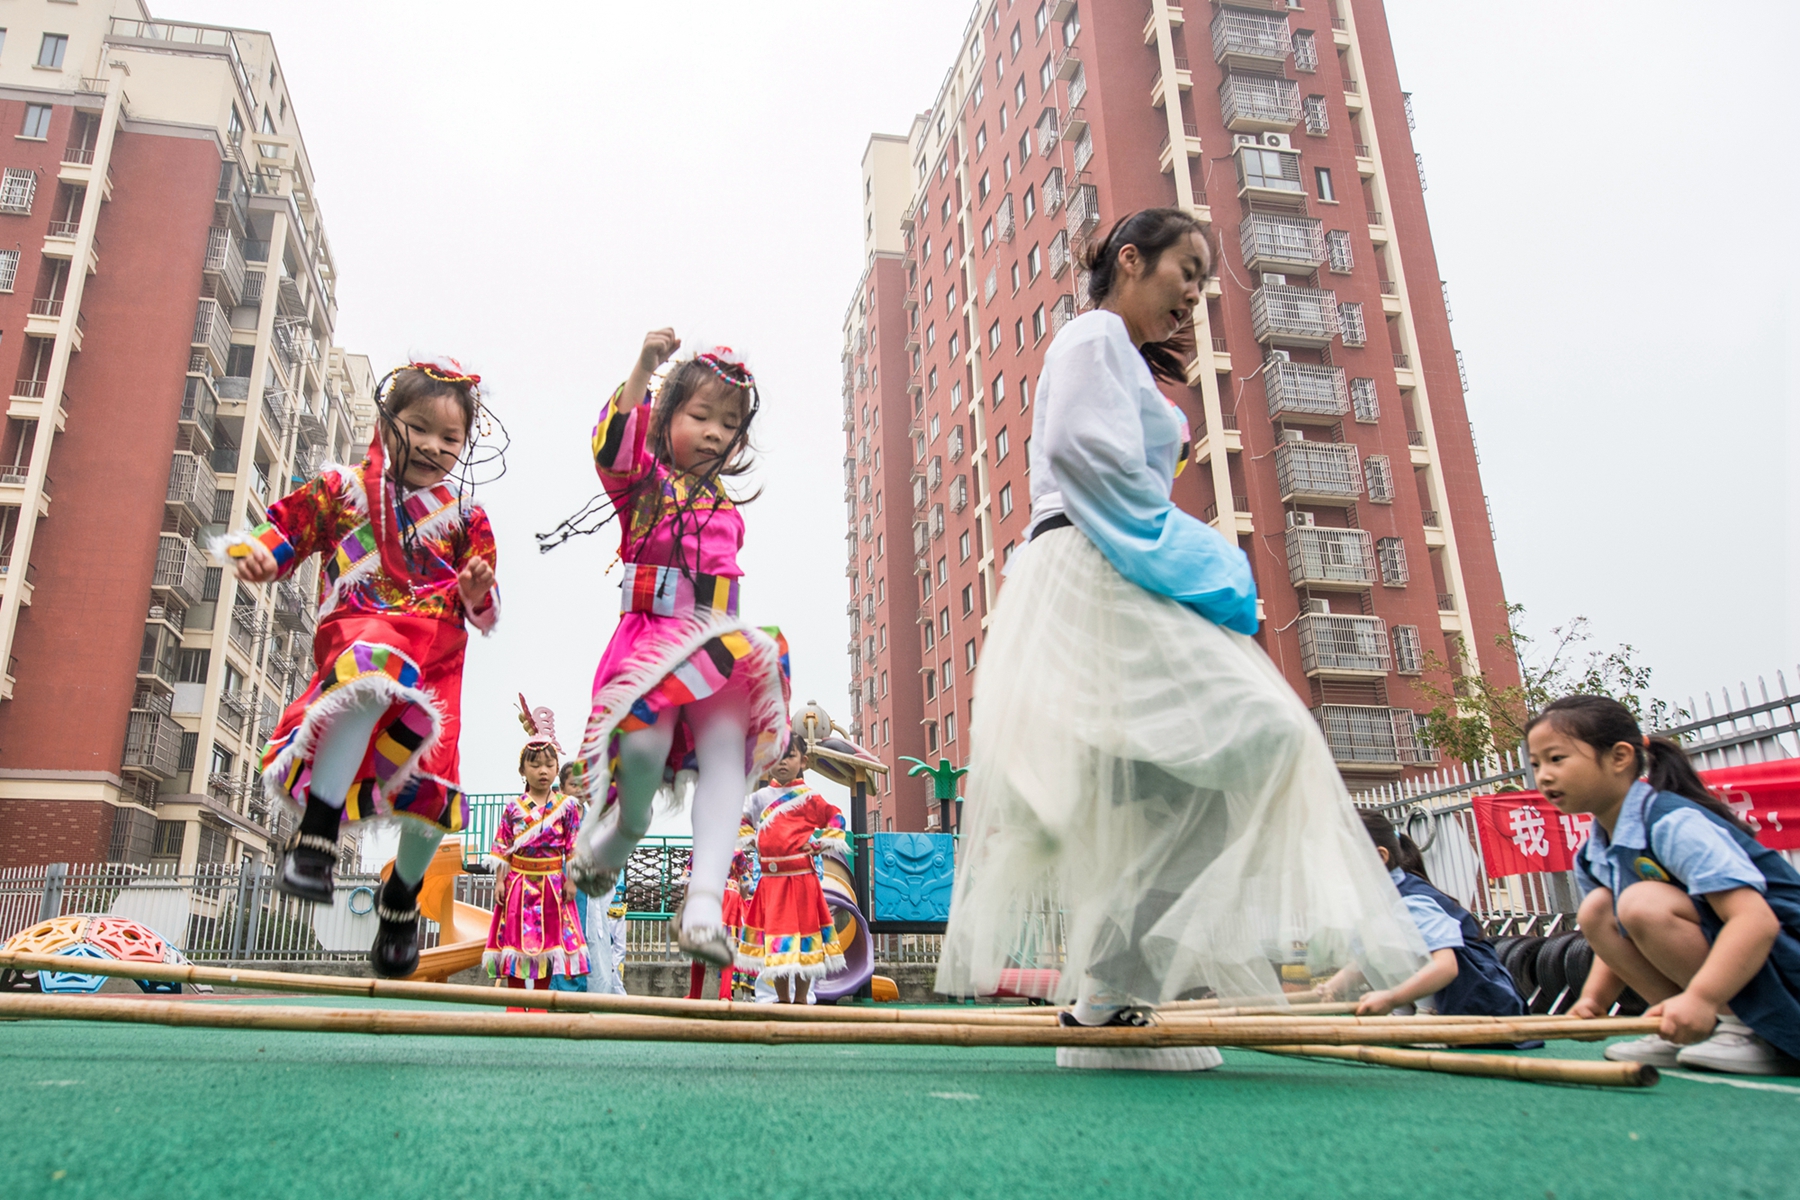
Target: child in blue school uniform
(1465, 975)
(1679, 900)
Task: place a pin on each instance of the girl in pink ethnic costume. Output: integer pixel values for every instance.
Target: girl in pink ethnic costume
(409, 563)
(788, 933)
(536, 933)
(684, 679)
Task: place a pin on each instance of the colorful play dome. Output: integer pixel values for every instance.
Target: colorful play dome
(88, 935)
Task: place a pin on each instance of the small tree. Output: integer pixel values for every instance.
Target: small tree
(1474, 716)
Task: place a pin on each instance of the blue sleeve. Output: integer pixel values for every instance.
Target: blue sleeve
(1703, 856)
(1439, 929)
(1096, 448)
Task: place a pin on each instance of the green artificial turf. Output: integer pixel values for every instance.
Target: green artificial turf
(118, 1111)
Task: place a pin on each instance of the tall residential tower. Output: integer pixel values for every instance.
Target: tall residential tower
(169, 303)
(1326, 398)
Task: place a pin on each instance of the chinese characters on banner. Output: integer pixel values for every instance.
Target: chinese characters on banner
(1522, 832)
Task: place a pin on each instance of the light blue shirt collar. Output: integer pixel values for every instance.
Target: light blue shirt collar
(1396, 875)
(1629, 829)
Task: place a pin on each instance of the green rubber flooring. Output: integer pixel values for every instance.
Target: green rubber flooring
(116, 1111)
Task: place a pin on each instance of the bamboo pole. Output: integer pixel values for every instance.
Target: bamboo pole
(1489, 1066)
(567, 1002)
(631, 1027)
(1279, 999)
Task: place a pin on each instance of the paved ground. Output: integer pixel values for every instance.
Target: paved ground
(114, 1111)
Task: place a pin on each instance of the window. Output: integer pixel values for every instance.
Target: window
(883, 632)
(51, 49)
(880, 584)
(981, 133)
(9, 269)
(1317, 120)
(962, 547)
(268, 122)
(1363, 402)
(949, 247)
(168, 839)
(1071, 25)
(191, 667)
(1006, 162)
(999, 67)
(930, 638)
(943, 573)
(1001, 445)
(1391, 553)
(1322, 179)
(1043, 22)
(37, 121)
(987, 234)
(189, 752)
(1306, 51)
(884, 741)
(944, 215)
(1034, 262)
(1024, 138)
(1019, 95)
(1019, 332)
(980, 92)
(884, 683)
(934, 416)
(955, 345)
(1270, 170)
(1014, 41)
(930, 735)
(928, 282)
(950, 299)
(968, 598)
(1030, 203)
(1350, 321)
(1024, 392)
(1015, 278)
(949, 727)
(222, 760)
(1037, 324)
(1409, 655)
(955, 388)
(944, 675)
(999, 389)
(969, 655)
(1337, 250)
(943, 622)
(1380, 478)
(931, 685)
(930, 336)
(1046, 75)
(993, 330)
(1006, 503)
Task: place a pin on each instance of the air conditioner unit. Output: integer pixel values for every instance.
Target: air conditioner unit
(1280, 356)
(1299, 520)
(1271, 279)
(1294, 435)
(1318, 606)
(1277, 141)
(1243, 139)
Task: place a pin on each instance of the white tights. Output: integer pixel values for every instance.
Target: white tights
(336, 757)
(721, 722)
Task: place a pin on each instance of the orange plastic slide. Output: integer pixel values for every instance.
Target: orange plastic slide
(462, 928)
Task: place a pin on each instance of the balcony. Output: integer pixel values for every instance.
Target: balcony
(192, 486)
(1330, 556)
(279, 666)
(1250, 41)
(233, 711)
(225, 261)
(1084, 209)
(1059, 254)
(1273, 242)
(180, 569)
(200, 407)
(1343, 645)
(292, 612)
(152, 744)
(274, 407)
(1259, 103)
(1053, 189)
(1322, 471)
(1374, 736)
(243, 629)
(1305, 391)
(1294, 316)
(1061, 313)
(212, 333)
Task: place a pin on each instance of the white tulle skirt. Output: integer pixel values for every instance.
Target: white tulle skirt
(1151, 810)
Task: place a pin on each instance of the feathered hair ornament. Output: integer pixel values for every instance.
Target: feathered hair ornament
(540, 726)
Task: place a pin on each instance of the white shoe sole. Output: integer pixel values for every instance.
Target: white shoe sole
(1138, 1058)
(1732, 1065)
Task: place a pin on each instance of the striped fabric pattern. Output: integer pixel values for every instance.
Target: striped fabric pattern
(271, 539)
(667, 592)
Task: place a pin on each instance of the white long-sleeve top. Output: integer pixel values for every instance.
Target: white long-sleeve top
(1105, 447)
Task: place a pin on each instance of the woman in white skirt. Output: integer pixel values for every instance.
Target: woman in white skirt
(1151, 811)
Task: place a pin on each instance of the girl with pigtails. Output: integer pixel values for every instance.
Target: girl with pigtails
(1139, 765)
(684, 682)
(409, 565)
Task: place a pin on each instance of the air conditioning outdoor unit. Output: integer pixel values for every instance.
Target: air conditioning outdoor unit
(1294, 435)
(1299, 520)
(1280, 356)
(1243, 139)
(1271, 279)
(1277, 141)
(1318, 606)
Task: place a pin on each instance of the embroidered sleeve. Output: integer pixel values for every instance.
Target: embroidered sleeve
(829, 827)
(747, 823)
(479, 543)
(621, 448)
(300, 524)
(505, 830)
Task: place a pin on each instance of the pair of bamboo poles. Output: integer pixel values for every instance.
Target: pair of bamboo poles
(1306, 1029)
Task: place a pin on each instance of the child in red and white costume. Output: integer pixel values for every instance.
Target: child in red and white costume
(409, 563)
(788, 933)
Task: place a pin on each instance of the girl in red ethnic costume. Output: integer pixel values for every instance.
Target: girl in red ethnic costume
(409, 562)
(788, 932)
(683, 679)
(536, 932)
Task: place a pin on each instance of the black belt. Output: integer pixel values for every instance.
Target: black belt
(1056, 521)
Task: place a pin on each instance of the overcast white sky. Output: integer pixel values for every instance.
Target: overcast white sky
(1612, 200)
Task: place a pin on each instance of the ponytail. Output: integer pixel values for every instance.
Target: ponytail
(1603, 723)
(1402, 853)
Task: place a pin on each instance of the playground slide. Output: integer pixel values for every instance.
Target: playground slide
(462, 928)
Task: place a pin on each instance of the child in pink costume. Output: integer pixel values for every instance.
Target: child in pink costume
(683, 679)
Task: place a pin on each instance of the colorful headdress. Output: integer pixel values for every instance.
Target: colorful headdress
(728, 365)
(540, 726)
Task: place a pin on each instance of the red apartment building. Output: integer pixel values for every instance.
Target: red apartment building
(1326, 399)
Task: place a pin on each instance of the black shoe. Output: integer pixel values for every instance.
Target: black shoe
(395, 953)
(308, 869)
(1133, 1018)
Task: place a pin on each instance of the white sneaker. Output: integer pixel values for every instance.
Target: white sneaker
(1653, 1049)
(1138, 1058)
(1735, 1050)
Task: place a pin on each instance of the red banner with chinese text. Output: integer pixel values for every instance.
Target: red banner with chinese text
(1523, 832)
